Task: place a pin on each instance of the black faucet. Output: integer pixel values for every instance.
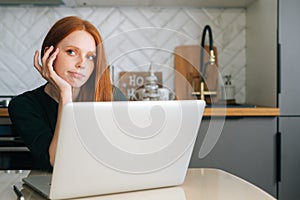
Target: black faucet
(211, 61)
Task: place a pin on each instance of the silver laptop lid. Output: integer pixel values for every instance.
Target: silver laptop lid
(110, 147)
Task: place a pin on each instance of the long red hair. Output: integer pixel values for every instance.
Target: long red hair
(98, 87)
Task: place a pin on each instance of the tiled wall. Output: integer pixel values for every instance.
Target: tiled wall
(133, 37)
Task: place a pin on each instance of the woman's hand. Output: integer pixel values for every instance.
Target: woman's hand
(63, 88)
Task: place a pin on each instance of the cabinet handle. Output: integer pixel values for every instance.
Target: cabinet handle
(278, 156)
(278, 68)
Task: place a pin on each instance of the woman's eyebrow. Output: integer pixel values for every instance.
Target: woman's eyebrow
(71, 46)
(78, 48)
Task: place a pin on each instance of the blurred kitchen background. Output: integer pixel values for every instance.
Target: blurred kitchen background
(133, 37)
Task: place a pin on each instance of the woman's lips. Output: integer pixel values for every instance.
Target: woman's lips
(76, 75)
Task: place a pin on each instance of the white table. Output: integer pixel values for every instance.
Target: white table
(200, 184)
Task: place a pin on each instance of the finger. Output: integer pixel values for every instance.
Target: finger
(47, 54)
(52, 58)
(55, 53)
(36, 61)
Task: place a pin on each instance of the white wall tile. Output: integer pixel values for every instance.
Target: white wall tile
(133, 37)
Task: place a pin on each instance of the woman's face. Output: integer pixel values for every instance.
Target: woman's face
(75, 60)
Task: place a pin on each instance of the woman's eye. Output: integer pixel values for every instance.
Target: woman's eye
(91, 57)
(71, 52)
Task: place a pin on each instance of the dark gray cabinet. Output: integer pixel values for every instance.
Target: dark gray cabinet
(13, 153)
(290, 158)
(289, 72)
(289, 98)
(245, 148)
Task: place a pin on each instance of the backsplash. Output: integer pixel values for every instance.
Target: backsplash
(133, 37)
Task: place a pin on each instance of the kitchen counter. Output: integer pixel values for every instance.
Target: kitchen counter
(219, 111)
(3, 112)
(243, 112)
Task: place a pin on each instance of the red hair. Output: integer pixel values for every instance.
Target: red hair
(98, 87)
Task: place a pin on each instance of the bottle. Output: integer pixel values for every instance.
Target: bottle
(228, 90)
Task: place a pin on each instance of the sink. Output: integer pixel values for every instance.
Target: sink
(230, 106)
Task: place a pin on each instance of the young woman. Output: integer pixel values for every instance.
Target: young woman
(74, 65)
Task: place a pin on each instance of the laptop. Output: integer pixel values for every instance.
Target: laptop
(113, 147)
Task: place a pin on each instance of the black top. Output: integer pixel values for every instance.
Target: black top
(33, 115)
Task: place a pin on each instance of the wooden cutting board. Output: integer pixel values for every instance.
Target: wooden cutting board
(187, 72)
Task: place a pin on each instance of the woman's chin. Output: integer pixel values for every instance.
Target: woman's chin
(76, 84)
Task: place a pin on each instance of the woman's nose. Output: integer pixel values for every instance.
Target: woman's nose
(81, 62)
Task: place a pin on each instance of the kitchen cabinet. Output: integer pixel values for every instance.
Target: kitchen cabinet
(289, 43)
(288, 98)
(246, 148)
(288, 187)
(15, 160)
(13, 153)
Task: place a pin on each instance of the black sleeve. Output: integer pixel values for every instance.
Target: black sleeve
(28, 121)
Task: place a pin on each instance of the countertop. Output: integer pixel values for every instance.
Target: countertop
(242, 112)
(220, 111)
(3, 112)
(209, 184)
